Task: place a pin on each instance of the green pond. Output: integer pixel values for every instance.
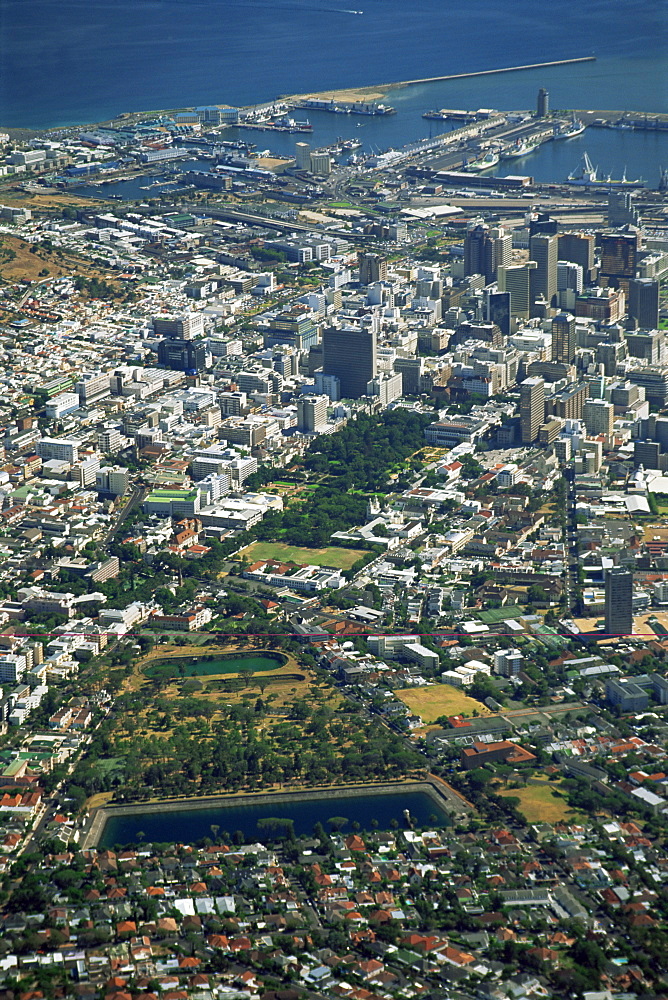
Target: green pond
(198, 666)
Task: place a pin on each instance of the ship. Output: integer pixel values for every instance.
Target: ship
(488, 161)
(356, 108)
(521, 147)
(576, 127)
(587, 175)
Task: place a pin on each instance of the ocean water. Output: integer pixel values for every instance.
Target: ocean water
(74, 61)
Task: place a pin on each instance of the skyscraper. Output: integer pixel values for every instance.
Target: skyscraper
(182, 355)
(598, 416)
(372, 268)
(542, 103)
(349, 353)
(578, 248)
(479, 252)
(619, 258)
(497, 309)
(311, 413)
(644, 302)
(620, 209)
(563, 337)
(532, 408)
(619, 601)
(544, 250)
(516, 279)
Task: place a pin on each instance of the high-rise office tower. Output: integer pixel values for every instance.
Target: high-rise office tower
(497, 309)
(619, 601)
(479, 252)
(542, 224)
(372, 268)
(578, 248)
(532, 408)
(350, 355)
(619, 258)
(544, 250)
(516, 279)
(311, 413)
(621, 211)
(569, 276)
(503, 248)
(598, 416)
(182, 355)
(302, 156)
(563, 337)
(644, 302)
(542, 103)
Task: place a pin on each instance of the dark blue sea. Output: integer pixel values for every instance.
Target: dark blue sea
(76, 61)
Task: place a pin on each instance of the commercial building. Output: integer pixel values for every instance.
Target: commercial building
(59, 448)
(598, 416)
(182, 355)
(388, 386)
(311, 413)
(59, 406)
(578, 248)
(372, 268)
(113, 480)
(479, 252)
(564, 338)
(643, 305)
(542, 103)
(186, 326)
(619, 601)
(516, 279)
(532, 408)
(619, 258)
(544, 251)
(349, 353)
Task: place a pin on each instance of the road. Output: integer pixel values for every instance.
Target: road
(139, 494)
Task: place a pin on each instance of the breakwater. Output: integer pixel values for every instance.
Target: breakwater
(456, 76)
(191, 819)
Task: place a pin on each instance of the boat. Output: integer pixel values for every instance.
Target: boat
(587, 175)
(576, 127)
(488, 161)
(521, 147)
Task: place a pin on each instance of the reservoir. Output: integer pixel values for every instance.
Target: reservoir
(186, 666)
(380, 807)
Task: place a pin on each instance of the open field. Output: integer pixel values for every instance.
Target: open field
(439, 699)
(540, 803)
(18, 263)
(332, 556)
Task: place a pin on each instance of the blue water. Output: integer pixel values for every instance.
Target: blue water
(73, 61)
(189, 825)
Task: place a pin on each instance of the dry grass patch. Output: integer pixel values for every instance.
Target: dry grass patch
(540, 803)
(435, 700)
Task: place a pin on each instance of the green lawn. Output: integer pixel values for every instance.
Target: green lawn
(332, 556)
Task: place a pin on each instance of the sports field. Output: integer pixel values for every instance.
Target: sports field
(439, 699)
(331, 556)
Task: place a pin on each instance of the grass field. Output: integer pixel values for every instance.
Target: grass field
(539, 803)
(439, 699)
(332, 556)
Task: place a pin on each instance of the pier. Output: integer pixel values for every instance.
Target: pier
(449, 76)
